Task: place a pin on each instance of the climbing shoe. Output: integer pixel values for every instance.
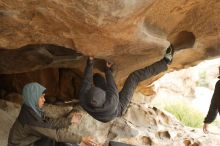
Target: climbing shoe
(169, 54)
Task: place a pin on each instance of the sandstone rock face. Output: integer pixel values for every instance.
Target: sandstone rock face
(140, 126)
(47, 41)
(118, 30)
(40, 34)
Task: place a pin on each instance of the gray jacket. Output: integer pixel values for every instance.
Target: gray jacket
(31, 124)
(109, 98)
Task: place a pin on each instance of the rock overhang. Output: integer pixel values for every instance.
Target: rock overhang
(130, 34)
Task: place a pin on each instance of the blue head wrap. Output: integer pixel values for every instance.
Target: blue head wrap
(31, 94)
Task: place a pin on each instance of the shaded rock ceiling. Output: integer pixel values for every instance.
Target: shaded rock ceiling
(41, 34)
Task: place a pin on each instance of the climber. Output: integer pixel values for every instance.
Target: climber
(214, 108)
(32, 127)
(103, 101)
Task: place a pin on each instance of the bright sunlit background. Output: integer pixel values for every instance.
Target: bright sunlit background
(187, 93)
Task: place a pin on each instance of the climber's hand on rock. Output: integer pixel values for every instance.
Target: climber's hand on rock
(76, 117)
(91, 58)
(89, 141)
(206, 128)
(109, 64)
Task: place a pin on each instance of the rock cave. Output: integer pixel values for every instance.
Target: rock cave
(49, 41)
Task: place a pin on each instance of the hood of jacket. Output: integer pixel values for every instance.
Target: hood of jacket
(31, 94)
(96, 97)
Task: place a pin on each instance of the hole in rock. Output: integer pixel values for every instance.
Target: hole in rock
(183, 40)
(195, 144)
(163, 134)
(146, 140)
(187, 142)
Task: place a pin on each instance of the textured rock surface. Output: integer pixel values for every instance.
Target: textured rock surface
(140, 126)
(37, 35)
(118, 30)
(40, 34)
